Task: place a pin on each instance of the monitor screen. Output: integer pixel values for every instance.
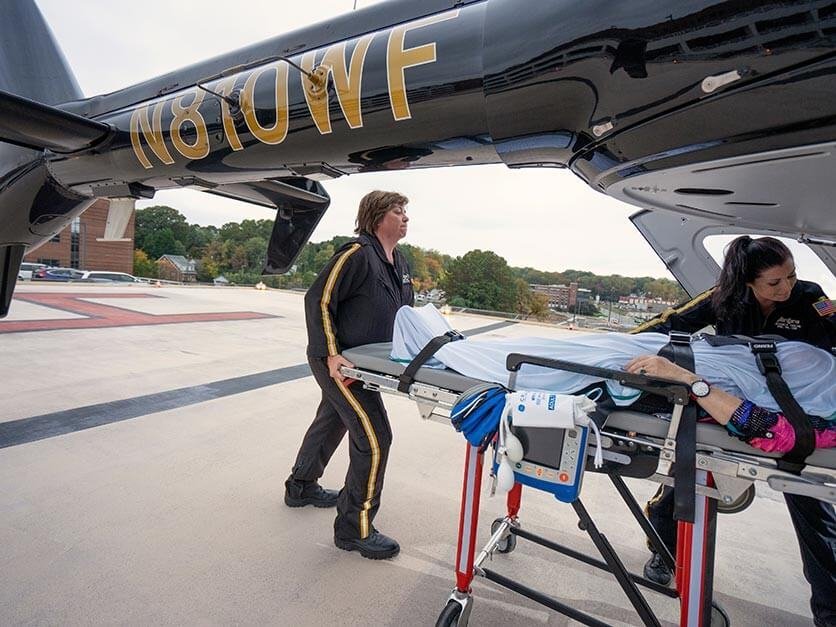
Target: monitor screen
(543, 447)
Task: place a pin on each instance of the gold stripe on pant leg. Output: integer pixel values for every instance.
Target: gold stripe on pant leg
(370, 434)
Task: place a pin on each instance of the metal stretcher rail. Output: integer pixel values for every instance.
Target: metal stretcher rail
(435, 391)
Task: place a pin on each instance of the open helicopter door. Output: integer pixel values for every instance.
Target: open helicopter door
(300, 203)
(679, 241)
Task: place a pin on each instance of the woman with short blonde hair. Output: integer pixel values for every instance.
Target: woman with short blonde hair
(375, 205)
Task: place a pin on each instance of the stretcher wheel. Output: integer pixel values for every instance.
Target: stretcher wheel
(508, 543)
(739, 504)
(719, 618)
(449, 616)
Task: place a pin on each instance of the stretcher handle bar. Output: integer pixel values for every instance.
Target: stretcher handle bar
(674, 391)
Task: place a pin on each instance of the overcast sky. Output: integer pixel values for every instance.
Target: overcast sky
(548, 219)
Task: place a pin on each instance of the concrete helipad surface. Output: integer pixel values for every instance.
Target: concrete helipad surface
(142, 457)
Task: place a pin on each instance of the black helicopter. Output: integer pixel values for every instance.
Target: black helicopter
(707, 114)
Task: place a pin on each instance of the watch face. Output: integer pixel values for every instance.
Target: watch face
(700, 388)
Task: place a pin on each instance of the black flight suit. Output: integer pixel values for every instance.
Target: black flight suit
(795, 319)
(814, 521)
(352, 302)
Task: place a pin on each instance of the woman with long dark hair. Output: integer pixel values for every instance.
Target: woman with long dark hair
(758, 293)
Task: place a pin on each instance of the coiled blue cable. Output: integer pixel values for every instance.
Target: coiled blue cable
(477, 415)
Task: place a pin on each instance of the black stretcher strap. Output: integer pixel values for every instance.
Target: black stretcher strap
(408, 376)
(805, 438)
(764, 348)
(678, 350)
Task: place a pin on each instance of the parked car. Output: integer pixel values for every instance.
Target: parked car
(57, 274)
(27, 270)
(102, 276)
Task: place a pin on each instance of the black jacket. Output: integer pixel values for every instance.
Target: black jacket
(354, 299)
(794, 319)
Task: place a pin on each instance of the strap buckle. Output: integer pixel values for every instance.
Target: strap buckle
(408, 375)
(766, 357)
(679, 337)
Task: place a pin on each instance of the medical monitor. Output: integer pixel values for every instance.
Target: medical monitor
(553, 460)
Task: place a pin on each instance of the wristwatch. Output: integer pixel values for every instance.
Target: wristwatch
(700, 388)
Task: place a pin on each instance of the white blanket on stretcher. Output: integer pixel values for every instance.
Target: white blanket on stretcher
(809, 372)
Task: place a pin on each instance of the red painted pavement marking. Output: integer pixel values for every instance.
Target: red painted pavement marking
(99, 316)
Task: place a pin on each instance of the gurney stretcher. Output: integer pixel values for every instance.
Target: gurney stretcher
(634, 444)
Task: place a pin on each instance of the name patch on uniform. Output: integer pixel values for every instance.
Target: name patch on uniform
(824, 307)
(790, 324)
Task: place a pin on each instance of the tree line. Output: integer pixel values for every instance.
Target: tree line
(479, 279)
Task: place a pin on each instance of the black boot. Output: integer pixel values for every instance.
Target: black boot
(300, 493)
(656, 570)
(375, 547)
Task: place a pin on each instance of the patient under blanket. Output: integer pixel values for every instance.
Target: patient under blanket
(809, 372)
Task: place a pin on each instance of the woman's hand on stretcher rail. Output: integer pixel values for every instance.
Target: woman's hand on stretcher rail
(335, 362)
(718, 404)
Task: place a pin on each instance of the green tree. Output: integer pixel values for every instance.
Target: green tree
(151, 221)
(479, 279)
(531, 303)
(240, 232)
(255, 249)
(207, 269)
(321, 256)
(244, 277)
(198, 238)
(436, 267)
(143, 266)
(163, 242)
(664, 289)
(417, 259)
(483, 280)
(215, 250)
(538, 306)
(237, 256)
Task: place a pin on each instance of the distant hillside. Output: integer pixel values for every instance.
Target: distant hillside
(478, 279)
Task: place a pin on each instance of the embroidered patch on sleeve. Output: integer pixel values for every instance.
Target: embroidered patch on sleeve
(824, 307)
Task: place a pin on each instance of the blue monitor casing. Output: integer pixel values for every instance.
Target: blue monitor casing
(554, 460)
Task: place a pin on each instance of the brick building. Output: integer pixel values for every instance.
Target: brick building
(79, 245)
(563, 297)
(177, 268)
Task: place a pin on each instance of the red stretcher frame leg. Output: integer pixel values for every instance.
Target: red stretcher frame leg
(469, 518)
(695, 559)
(513, 500)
